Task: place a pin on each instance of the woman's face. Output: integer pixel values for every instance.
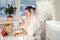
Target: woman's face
(27, 13)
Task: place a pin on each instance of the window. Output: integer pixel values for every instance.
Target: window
(23, 4)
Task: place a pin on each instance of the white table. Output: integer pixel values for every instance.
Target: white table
(18, 38)
(16, 24)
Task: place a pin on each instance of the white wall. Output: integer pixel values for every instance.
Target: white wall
(57, 9)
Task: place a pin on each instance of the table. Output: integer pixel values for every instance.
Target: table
(15, 23)
(18, 38)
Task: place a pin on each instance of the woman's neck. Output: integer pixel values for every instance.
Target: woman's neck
(30, 16)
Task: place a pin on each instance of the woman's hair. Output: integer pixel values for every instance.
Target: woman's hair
(29, 8)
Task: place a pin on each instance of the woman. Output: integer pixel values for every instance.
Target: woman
(31, 24)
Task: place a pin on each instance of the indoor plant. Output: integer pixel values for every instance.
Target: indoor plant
(9, 10)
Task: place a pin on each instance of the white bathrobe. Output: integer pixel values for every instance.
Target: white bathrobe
(33, 28)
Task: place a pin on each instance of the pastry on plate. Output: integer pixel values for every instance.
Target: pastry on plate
(19, 32)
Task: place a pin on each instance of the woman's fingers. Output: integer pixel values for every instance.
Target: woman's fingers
(23, 22)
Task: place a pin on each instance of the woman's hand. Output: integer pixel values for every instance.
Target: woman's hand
(24, 22)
